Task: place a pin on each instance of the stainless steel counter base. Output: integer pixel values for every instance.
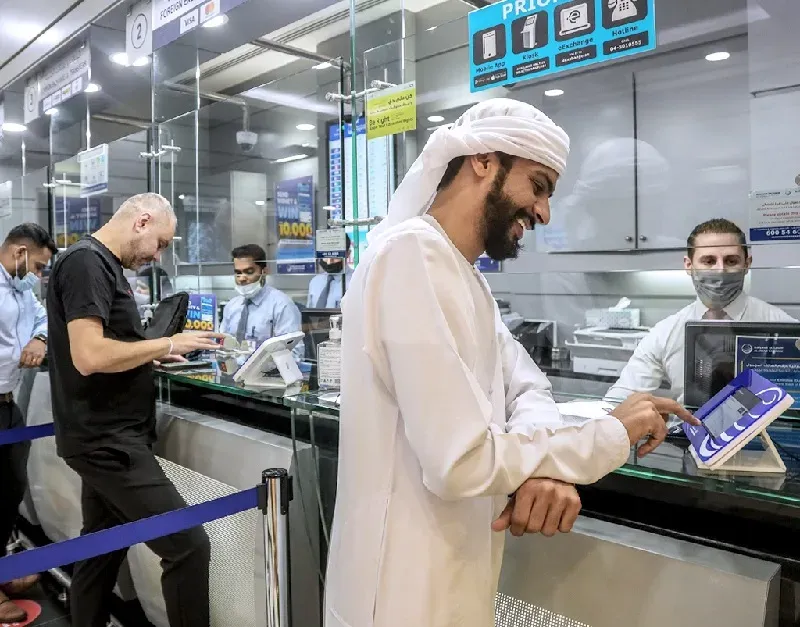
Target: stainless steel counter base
(606, 575)
(206, 458)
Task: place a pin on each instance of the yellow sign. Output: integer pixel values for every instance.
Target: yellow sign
(392, 111)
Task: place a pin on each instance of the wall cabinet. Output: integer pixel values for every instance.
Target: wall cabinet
(664, 148)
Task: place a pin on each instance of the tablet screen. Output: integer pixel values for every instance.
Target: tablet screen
(729, 411)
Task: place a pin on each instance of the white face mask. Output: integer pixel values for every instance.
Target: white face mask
(27, 282)
(251, 289)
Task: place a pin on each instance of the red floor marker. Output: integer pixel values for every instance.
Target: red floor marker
(32, 608)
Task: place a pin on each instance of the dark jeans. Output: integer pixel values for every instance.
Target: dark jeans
(13, 473)
(121, 484)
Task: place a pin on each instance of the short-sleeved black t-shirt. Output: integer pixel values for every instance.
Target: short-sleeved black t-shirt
(100, 410)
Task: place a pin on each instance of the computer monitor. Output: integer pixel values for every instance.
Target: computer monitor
(716, 351)
(316, 324)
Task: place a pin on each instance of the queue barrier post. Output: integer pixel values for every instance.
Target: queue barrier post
(275, 494)
(272, 497)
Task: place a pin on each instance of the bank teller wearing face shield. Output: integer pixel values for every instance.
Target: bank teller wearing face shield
(325, 290)
(259, 311)
(717, 260)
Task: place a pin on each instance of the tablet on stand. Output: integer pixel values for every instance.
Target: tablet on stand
(738, 414)
(275, 354)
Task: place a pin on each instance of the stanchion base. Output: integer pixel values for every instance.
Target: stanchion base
(33, 609)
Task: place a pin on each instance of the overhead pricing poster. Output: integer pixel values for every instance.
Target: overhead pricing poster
(294, 205)
(774, 358)
(775, 215)
(391, 111)
(526, 39)
(201, 315)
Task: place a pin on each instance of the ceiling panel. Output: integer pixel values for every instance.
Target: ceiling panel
(22, 20)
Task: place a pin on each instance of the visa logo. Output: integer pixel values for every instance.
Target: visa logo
(190, 21)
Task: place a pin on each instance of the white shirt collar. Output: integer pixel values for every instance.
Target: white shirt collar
(735, 310)
(5, 277)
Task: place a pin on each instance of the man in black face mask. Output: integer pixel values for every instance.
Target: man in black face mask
(717, 260)
(325, 290)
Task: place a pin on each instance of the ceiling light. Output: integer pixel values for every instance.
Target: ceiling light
(432, 28)
(291, 158)
(718, 56)
(141, 62)
(181, 196)
(14, 127)
(216, 21)
(322, 66)
(435, 118)
(120, 58)
(552, 93)
(261, 203)
(305, 127)
(53, 112)
(92, 88)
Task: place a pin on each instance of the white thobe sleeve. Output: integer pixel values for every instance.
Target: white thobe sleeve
(415, 312)
(587, 451)
(645, 370)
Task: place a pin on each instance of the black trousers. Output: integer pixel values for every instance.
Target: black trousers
(13, 473)
(121, 484)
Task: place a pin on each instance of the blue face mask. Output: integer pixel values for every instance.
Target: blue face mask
(27, 282)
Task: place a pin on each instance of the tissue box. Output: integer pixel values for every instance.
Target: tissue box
(613, 319)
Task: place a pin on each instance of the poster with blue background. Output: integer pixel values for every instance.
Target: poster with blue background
(80, 215)
(294, 206)
(201, 314)
(526, 39)
(774, 358)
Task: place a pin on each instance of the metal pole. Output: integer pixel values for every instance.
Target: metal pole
(274, 497)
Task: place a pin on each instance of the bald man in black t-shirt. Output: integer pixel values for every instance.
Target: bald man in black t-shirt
(104, 408)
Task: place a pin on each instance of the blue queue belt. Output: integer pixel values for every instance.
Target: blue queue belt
(22, 434)
(123, 536)
(117, 538)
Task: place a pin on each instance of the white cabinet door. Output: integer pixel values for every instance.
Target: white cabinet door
(693, 117)
(593, 208)
(774, 47)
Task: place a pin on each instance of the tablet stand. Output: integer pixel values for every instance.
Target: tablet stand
(742, 461)
(287, 369)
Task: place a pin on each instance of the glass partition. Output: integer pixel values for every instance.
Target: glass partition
(255, 130)
(229, 120)
(660, 144)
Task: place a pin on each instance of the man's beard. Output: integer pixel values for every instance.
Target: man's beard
(499, 215)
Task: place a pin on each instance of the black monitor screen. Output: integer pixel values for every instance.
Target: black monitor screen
(316, 326)
(711, 356)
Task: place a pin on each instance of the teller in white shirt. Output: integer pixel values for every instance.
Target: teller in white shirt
(717, 260)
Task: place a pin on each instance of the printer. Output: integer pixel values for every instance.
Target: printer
(538, 337)
(607, 340)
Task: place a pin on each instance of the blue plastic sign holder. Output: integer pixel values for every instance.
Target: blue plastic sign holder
(723, 451)
(487, 265)
(526, 39)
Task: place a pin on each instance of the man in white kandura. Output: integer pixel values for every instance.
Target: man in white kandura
(443, 414)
